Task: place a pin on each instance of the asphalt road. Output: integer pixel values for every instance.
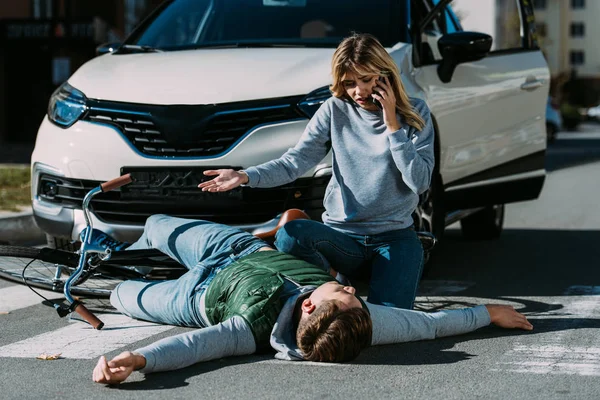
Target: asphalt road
(545, 264)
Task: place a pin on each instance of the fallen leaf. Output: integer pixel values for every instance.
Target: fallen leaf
(45, 356)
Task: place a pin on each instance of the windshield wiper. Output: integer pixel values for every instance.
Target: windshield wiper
(134, 48)
(244, 44)
(257, 44)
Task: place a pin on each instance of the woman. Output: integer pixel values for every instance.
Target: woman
(383, 158)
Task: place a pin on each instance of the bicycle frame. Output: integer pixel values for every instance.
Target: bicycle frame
(87, 249)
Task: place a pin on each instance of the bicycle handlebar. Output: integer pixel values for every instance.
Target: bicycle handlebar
(76, 305)
(116, 183)
(88, 316)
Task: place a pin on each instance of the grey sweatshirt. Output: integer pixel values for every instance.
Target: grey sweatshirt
(234, 337)
(377, 175)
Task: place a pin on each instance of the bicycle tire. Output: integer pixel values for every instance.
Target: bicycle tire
(41, 267)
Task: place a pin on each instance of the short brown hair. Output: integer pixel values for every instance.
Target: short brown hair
(331, 334)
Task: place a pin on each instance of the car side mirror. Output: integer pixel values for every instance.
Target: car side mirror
(460, 47)
(105, 48)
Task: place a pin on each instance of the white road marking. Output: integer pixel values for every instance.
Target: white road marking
(552, 352)
(13, 298)
(554, 359)
(81, 341)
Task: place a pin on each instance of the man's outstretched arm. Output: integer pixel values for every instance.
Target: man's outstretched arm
(230, 338)
(394, 325)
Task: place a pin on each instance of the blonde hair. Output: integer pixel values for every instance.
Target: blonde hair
(362, 54)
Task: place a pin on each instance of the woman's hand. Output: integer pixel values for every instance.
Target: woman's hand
(119, 368)
(226, 179)
(507, 317)
(385, 95)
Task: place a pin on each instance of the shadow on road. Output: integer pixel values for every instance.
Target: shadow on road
(179, 378)
(572, 152)
(522, 262)
(439, 351)
(430, 352)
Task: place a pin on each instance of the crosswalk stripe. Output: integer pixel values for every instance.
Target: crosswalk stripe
(13, 298)
(80, 341)
(555, 352)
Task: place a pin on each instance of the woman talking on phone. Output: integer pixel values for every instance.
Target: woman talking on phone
(383, 158)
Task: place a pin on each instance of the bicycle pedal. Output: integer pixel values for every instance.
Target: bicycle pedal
(428, 241)
(62, 310)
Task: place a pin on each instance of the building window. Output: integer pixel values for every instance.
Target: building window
(577, 57)
(541, 29)
(42, 9)
(577, 29)
(577, 4)
(539, 4)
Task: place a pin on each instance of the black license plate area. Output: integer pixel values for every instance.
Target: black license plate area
(172, 184)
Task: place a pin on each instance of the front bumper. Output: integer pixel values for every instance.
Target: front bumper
(87, 154)
(122, 214)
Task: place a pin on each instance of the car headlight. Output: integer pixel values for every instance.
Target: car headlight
(311, 103)
(66, 106)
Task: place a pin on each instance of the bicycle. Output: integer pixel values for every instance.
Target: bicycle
(94, 271)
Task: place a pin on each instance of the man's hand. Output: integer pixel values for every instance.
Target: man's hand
(507, 317)
(226, 179)
(117, 369)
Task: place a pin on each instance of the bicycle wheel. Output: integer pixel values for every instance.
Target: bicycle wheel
(49, 269)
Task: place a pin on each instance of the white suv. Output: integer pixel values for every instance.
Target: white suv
(203, 84)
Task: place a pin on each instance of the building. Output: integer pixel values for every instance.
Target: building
(42, 42)
(567, 32)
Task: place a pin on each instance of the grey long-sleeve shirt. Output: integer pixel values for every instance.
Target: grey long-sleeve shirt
(234, 337)
(377, 175)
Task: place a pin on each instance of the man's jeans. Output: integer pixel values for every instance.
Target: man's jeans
(203, 247)
(395, 258)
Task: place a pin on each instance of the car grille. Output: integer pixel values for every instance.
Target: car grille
(252, 207)
(190, 130)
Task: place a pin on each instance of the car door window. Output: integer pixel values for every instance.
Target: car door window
(445, 22)
(499, 19)
(429, 52)
(449, 21)
(503, 21)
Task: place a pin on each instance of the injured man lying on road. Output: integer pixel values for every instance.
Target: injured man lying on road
(244, 296)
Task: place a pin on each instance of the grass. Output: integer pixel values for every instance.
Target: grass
(15, 188)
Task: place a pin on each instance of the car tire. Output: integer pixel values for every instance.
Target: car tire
(485, 224)
(570, 123)
(550, 133)
(430, 215)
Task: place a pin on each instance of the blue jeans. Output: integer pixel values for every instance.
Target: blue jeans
(395, 258)
(203, 247)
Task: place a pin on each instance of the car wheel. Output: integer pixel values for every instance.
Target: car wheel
(570, 124)
(550, 133)
(430, 215)
(484, 224)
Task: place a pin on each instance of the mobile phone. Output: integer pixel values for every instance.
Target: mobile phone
(376, 102)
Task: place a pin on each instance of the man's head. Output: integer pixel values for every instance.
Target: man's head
(333, 325)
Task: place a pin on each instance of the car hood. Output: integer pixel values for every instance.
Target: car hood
(204, 76)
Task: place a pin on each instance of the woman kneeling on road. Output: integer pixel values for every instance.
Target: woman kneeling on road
(383, 159)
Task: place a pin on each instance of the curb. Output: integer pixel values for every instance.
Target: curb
(20, 227)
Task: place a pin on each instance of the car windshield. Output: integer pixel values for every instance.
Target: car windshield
(185, 24)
